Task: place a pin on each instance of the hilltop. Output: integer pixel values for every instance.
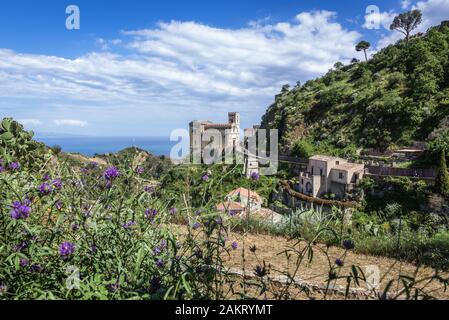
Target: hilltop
(399, 96)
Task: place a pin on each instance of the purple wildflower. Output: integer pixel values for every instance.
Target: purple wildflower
(66, 249)
(196, 225)
(160, 263)
(21, 210)
(92, 165)
(14, 166)
(93, 249)
(111, 173)
(340, 262)
(233, 213)
(46, 177)
(24, 262)
(21, 246)
(198, 212)
(58, 205)
(37, 268)
(255, 176)
(148, 189)
(129, 225)
(45, 189)
(173, 211)
(235, 245)
(155, 284)
(151, 214)
(348, 244)
(84, 170)
(113, 287)
(205, 178)
(140, 170)
(219, 220)
(2, 169)
(3, 288)
(159, 249)
(57, 183)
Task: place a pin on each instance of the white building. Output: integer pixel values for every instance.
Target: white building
(203, 133)
(330, 175)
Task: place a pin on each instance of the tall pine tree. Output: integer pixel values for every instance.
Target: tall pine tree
(442, 180)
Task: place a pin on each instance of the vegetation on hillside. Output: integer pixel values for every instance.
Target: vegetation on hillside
(399, 96)
(100, 232)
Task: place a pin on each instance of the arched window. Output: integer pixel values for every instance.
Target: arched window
(309, 188)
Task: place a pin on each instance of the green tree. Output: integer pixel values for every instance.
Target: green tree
(338, 65)
(303, 149)
(406, 22)
(442, 180)
(363, 46)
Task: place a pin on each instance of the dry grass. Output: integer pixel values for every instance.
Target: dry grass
(271, 250)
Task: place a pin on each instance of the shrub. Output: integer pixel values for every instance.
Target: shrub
(303, 149)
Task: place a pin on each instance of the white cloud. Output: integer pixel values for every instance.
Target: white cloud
(405, 4)
(434, 11)
(106, 44)
(378, 20)
(71, 123)
(181, 69)
(32, 122)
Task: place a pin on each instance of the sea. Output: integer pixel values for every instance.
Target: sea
(90, 146)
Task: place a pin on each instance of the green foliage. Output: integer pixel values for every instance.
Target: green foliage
(56, 149)
(152, 166)
(16, 144)
(399, 96)
(128, 243)
(407, 22)
(363, 46)
(402, 191)
(188, 180)
(303, 148)
(442, 179)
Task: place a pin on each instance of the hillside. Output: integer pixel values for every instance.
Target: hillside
(399, 96)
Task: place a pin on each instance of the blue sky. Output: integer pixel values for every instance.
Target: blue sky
(148, 67)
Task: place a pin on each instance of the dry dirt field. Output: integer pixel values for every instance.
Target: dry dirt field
(269, 250)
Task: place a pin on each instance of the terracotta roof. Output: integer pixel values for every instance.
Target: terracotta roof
(230, 205)
(244, 192)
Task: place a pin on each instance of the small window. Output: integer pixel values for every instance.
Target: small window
(302, 181)
(340, 175)
(338, 162)
(321, 172)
